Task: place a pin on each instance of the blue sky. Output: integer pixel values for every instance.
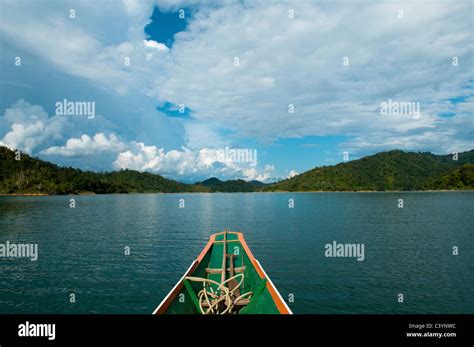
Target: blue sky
(333, 68)
(164, 25)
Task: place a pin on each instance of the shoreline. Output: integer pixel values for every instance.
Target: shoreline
(278, 192)
(25, 194)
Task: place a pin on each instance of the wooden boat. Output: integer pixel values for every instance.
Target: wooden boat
(224, 279)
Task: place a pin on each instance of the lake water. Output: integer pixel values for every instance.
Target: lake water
(408, 250)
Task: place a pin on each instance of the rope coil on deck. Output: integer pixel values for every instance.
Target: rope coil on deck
(223, 295)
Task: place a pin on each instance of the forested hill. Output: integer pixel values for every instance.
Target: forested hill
(394, 170)
(214, 184)
(33, 176)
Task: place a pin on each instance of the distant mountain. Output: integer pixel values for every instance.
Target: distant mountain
(216, 185)
(394, 170)
(210, 181)
(34, 176)
(257, 183)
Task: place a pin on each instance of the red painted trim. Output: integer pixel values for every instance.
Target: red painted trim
(207, 248)
(174, 292)
(165, 305)
(282, 308)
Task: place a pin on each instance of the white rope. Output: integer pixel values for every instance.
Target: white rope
(225, 294)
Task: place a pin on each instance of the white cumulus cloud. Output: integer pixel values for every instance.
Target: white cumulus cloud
(30, 127)
(86, 145)
(187, 164)
(155, 45)
(299, 61)
(292, 173)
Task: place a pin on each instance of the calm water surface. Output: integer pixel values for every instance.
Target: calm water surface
(81, 250)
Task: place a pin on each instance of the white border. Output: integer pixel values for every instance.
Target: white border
(172, 290)
(273, 286)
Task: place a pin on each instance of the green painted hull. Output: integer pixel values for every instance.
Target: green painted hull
(265, 299)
